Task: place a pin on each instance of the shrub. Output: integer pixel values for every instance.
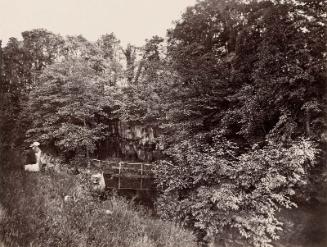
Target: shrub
(215, 188)
(51, 209)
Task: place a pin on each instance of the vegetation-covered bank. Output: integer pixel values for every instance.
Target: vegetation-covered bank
(236, 93)
(37, 214)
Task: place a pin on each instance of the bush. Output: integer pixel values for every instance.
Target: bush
(215, 188)
(51, 209)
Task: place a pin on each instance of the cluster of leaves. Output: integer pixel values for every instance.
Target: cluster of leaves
(20, 64)
(215, 188)
(66, 106)
(57, 88)
(238, 93)
(243, 125)
(37, 214)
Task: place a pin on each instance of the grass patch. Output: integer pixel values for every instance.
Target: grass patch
(37, 214)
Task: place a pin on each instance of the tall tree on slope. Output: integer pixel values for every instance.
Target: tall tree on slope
(242, 140)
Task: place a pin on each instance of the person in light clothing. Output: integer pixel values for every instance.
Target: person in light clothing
(37, 151)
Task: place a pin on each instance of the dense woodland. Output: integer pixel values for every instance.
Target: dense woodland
(236, 94)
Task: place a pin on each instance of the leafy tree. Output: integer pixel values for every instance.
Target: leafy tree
(213, 188)
(22, 61)
(15, 81)
(151, 61)
(201, 47)
(42, 47)
(238, 94)
(66, 105)
(249, 93)
(287, 75)
(109, 58)
(109, 46)
(140, 100)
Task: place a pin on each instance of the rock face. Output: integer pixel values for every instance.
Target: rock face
(32, 168)
(130, 142)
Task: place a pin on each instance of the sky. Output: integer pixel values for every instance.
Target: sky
(132, 21)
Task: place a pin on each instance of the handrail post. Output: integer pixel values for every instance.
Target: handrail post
(119, 169)
(141, 176)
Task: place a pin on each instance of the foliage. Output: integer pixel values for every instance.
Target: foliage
(238, 94)
(66, 106)
(286, 73)
(142, 101)
(212, 187)
(38, 215)
(238, 121)
(21, 63)
(42, 48)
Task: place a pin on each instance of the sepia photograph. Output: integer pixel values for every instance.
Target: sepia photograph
(163, 123)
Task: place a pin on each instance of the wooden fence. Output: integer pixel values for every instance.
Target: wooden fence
(126, 175)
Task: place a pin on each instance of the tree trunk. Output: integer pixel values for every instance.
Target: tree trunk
(129, 53)
(307, 123)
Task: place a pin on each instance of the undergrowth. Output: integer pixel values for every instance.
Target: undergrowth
(37, 212)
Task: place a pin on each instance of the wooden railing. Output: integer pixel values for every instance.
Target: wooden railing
(126, 175)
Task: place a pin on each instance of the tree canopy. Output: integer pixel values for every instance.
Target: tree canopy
(236, 94)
